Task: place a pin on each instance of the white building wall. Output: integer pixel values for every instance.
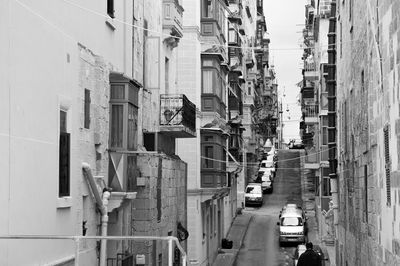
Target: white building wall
(41, 75)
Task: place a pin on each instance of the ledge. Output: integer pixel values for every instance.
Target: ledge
(110, 23)
(117, 198)
(64, 202)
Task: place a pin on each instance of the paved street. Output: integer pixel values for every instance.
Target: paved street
(261, 245)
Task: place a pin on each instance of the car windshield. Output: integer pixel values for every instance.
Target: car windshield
(266, 178)
(253, 190)
(291, 221)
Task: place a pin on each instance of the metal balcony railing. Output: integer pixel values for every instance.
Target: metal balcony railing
(309, 66)
(177, 110)
(78, 241)
(310, 110)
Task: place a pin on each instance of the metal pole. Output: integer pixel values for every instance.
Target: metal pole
(169, 252)
(77, 244)
(184, 259)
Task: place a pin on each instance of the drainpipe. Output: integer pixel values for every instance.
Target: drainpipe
(102, 203)
(104, 223)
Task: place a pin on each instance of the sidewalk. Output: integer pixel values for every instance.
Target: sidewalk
(237, 232)
(313, 236)
(308, 196)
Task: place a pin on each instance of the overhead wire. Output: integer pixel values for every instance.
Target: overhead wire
(158, 32)
(279, 161)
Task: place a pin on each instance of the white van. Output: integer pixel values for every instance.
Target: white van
(253, 194)
(292, 227)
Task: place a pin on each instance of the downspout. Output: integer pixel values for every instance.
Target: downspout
(102, 203)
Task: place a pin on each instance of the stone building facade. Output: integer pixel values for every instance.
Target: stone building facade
(368, 132)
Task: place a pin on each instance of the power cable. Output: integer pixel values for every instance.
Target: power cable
(160, 33)
(279, 161)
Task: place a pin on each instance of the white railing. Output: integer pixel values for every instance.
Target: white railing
(77, 240)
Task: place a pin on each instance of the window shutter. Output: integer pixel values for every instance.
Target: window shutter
(87, 109)
(110, 8)
(387, 164)
(64, 163)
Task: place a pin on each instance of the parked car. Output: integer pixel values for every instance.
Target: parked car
(266, 171)
(292, 226)
(293, 207)
(253, 194)
(269, 163)
(266, 183)
(296, 144)
(302, 248)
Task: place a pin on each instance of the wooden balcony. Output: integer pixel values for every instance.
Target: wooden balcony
(172, 21)
(310, 71)
(177, 116)
(311, 112)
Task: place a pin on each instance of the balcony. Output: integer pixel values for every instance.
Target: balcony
(249, 60)
(213, 179)
(235, 8)
(310, 71)
(177, 116)
(172, 21)
(310, 112)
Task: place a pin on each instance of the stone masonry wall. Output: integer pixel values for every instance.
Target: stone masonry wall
(368, 230)
(164, 193)
(92, 142)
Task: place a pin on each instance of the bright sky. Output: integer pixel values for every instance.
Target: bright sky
(285, 22)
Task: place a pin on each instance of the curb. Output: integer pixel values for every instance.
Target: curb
(241, 241)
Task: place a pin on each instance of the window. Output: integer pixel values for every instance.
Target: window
(232, 37)
(324, 130)
(117, 125)
(166, 75)
(351, 10)
(340, 42)
(110, 8)
(159, 192)
(362, 81)
(208, 153)
(208, 9)
(160, 259)
(326, 187)
(132, 126)
(208, 138)
(211, 220)
(123, 113)
(64, 157)
(366, 193)
(87, 109)
(387, 164)
(208, 76)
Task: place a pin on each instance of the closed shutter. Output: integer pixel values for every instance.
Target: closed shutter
(87, 109)
(110, 8)
(387, 164)
(64, 164)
